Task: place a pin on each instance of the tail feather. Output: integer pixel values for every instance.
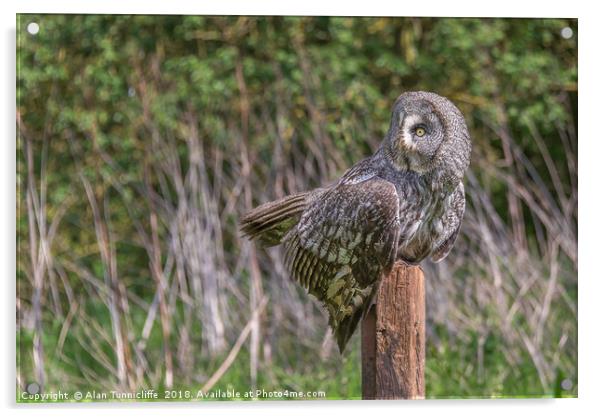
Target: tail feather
(346, 328)
(269, 222)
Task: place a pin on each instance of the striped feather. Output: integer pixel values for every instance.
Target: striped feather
(270, 222)
(329, 253)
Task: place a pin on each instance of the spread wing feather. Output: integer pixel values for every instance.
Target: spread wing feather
(343, 244)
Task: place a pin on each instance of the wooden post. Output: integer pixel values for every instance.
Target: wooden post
(393, 334)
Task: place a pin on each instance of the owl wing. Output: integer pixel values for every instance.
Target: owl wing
(345, 241)
(451, 225)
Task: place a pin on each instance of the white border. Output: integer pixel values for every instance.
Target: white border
(590, 176)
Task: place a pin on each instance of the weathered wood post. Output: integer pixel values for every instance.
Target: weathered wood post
(393, 334)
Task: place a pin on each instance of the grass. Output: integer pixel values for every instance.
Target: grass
(453, 370)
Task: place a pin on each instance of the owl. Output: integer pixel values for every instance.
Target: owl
(405, 202)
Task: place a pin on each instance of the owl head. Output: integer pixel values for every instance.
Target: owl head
(428, 135)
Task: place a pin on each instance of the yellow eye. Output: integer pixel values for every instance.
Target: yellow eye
(420, 132)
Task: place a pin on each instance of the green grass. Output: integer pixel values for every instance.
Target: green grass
(453, 370)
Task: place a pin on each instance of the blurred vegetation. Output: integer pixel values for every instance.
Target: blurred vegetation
(141, 139)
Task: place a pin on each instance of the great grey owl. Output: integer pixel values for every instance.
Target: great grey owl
(405, 202)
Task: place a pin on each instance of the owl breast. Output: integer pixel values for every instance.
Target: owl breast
(421, 226)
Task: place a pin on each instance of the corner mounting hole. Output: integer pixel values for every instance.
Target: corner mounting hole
(566, 33)
(33, 28)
